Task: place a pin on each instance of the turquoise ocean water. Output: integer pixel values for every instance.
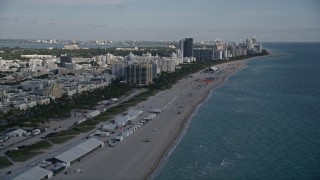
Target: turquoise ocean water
(263, 123)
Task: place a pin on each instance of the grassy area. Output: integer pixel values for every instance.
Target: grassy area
(66, 135)
(4, 162)
(111, 112)
(83, 129)
(60, 140)
(28, 152)
(63, 136)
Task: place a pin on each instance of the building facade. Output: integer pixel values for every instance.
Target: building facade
(118, 69)
(65, 59)
(55, 90)
(186, 46)
(140, 74)
(203, 53)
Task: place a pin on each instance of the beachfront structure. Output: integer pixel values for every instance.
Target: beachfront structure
(119, 138)
(140, 74)
(79, 151)
(100, 133)
(134, 113)
(122, 120)
(155, 111)
(150, 117)
(109, 127)
(35, 173)
(186, 46)
(213, 68)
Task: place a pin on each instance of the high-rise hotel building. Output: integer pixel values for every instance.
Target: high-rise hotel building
(186, 46)
(140, 74)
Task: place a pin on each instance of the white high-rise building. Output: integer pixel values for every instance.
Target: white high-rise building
(35, 62)
(254, 40)
(180, 56)
(109, 56)
(249, 43)
(118, 70)
(220, 54)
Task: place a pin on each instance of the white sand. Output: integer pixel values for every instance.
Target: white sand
(135, 159)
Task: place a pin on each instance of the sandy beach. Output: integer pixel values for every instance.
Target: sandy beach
(136, 159)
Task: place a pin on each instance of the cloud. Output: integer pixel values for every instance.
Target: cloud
(5, 19)
(182, 14)
(96, 25)
(256, 13)
(77, 2)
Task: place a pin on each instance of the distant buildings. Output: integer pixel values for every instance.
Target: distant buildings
(73, 46)
(203, 53)
(118, 69)
(223, 50)
(54, 90)
(37, 56)
(76, 74)
(249, 43)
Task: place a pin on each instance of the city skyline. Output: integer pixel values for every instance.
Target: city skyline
(271, 21)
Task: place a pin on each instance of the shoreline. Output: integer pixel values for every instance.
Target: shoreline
(136, 159)
(185, 124)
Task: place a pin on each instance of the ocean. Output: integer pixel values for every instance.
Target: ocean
(263, 123)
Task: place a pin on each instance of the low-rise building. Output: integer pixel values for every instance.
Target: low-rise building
(54, 90)
(17, 133)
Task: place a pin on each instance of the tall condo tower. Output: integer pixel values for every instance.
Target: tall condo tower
(186, 46)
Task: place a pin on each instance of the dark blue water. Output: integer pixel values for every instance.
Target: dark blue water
(263, 123)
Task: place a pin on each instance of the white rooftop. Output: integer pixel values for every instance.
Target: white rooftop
(35, 173)
(134, 113)
(109, 126)
(122, 119)
(79, 150)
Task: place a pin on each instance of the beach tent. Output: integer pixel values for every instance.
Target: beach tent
(134, 113)
(150, 117)
(156, 111)
(100, 133)
(109, 127)
(122, 120)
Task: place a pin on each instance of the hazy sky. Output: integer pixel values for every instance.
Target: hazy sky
(230, 20)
